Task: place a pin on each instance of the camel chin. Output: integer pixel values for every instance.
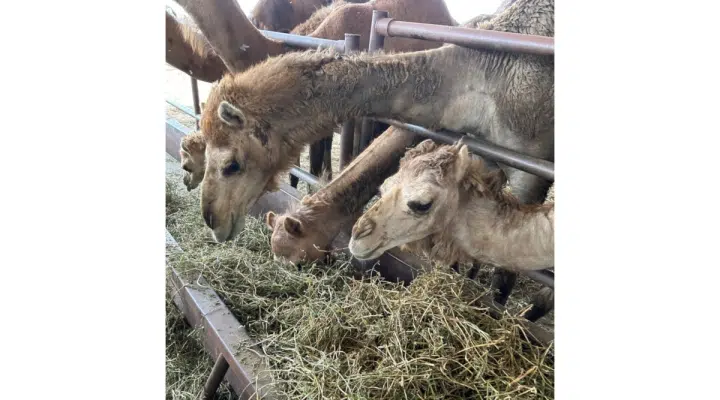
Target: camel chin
(362, 252)
(229, 231)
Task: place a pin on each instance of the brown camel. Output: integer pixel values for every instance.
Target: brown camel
(256, 122)
(304, 234)
(285, 15)
(183, 52)
(445, 204)
(265, 115)
(331, 22)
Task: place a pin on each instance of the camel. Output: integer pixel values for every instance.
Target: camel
(183, 52)
(265, 115)
(331, 22)
(445, 204)
(285, 15)
(304, 234)
(256, 122)
(192, 159)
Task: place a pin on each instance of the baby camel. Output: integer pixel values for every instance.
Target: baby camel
(445, 204)
(306, 232)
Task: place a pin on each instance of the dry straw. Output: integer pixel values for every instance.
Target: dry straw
(327, 335)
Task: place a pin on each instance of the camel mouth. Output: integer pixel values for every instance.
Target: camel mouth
(224, 234)
(365, 254)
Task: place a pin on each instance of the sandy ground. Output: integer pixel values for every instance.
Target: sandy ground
(178, 89)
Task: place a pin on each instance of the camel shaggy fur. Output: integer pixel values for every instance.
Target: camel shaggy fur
(256, 122)
(444, 204)
(304, 234)
(332, 22)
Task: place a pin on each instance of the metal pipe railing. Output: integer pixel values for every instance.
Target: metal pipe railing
(377, 42)
(347, 135)
(536, 166)
(305, 41)
(196, 100)
(481, 39)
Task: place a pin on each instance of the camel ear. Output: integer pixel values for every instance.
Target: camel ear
(231, 115)
(270, 220)
(293, 226)
(462, 162)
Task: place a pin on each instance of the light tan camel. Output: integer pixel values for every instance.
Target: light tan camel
(445, 204)
(304, 234)
(192, 159)
(256, 122)
(331, 22)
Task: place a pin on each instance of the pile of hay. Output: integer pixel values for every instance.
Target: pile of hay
(327, 335)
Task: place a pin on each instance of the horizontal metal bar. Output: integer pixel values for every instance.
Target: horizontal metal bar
(536, 166)
(305, 41)
(481, 39)
(183, 109)
(203, 308)
(306, 176)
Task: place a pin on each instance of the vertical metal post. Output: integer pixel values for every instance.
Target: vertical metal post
(377, 41)
(347, 135)
(215, 379)
(196, 99)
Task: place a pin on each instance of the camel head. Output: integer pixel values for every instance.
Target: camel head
(418, 201)
(273, 15)
(242, 157)
(192, 159)
(297, 239)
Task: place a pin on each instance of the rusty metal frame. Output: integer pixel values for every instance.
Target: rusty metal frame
(347, 135)
(305, 41)
(224, 335)
(377, 42)
(481, 39)
(536, 166)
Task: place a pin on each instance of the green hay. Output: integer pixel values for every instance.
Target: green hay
(327, 335)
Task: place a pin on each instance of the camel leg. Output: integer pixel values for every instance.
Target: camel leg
(294, 179)
(543, 302)
(317, 152)
(455, 267)
(473, 273)
(327, 156)
(503, 282)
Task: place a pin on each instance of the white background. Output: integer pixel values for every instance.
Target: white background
(82, 202)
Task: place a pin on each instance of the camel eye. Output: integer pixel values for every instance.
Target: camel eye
(419, 208)
(232, 168)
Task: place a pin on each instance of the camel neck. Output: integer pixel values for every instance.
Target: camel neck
(400, 86)
(513, 236)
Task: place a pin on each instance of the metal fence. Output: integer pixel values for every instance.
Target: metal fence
(248, 382)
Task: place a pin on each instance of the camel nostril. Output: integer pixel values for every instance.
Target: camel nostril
(362, 230)
(208, 217)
